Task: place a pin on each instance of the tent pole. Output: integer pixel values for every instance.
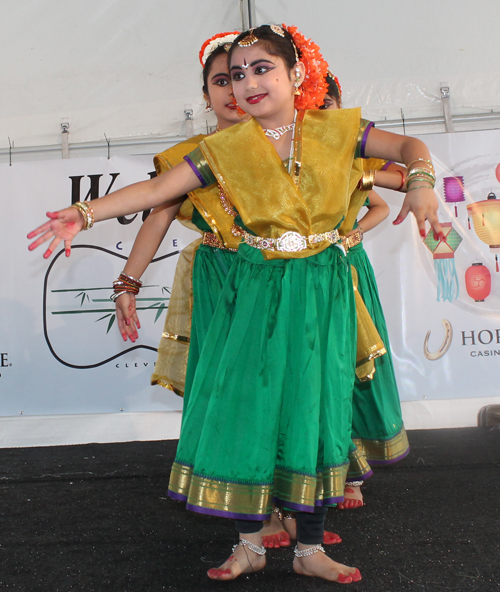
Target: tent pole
(248, 19)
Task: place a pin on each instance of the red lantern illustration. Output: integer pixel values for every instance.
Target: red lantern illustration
(443, 253)
(486, 218)
(478, 282)
(454, 191)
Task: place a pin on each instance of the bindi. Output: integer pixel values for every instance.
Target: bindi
(245, 65)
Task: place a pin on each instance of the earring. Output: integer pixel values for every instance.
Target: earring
(297, 82)
(208, 108)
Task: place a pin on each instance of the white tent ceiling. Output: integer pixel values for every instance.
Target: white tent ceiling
(127, 69)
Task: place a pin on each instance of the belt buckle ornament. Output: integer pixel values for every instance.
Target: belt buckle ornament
(291, 242)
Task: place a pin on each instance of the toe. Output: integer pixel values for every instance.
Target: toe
(331, 538)
(356, 576)
(342, 579)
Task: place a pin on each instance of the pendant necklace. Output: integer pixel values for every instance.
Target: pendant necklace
(279, 131)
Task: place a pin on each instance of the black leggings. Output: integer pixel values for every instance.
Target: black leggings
(310, 526)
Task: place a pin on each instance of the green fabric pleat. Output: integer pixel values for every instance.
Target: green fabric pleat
(210, 269)
(269, 385)
(376, 405)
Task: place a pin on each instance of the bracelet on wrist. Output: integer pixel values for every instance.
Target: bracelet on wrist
(87, 213)
(125, 284)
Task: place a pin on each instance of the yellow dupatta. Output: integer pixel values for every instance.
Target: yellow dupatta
(265, 195)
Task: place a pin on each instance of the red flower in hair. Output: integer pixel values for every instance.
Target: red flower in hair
(314, 87)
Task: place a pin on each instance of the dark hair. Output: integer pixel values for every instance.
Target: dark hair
(273, 43)
(333, 89)
(208, 66)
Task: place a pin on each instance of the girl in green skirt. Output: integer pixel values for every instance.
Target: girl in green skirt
(270, 402)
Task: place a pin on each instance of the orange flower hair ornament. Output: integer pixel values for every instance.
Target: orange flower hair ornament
(314, 87)
(214, 42)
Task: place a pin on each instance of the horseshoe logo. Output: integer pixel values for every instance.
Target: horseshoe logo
(444, 347)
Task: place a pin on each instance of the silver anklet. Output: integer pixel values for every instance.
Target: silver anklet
(308, 551)
(255, 548)
(354, 483)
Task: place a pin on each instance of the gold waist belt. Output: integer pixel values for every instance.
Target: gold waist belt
(211, 240)
(290, 242)
(348, 242)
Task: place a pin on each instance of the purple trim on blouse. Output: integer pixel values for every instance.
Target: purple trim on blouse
(391, 461)
(387, 165)
(365, 476)
(196, 171)
(222, 514)
(363, 140)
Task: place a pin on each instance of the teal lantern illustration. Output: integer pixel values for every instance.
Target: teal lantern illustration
(443, 253)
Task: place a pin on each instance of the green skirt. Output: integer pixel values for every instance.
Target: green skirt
(269, 409)
(377, 425)
(210, 269)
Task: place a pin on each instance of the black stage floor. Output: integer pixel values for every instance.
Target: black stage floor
(96, 517)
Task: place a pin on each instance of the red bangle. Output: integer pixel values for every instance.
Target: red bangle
(403, 180)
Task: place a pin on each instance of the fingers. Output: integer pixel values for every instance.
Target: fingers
(52, 247)
(136, 320)
(39, 230)
(403, 213)
(40, 240)
(436, 227)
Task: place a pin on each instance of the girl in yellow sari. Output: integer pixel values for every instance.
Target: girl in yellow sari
(269, 410)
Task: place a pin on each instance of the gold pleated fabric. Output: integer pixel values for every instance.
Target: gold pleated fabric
(370, 344)
(242, 158)
(171, 363)
(207, 200)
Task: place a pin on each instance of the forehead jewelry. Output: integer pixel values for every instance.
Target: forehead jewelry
(277, 29)
(250, 39)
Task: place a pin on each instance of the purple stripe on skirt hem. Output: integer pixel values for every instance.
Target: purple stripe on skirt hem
(177, 496)
(233, 515)
(380, 463)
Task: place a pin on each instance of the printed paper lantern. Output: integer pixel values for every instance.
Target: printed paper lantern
(454, 191)
(486, 218)
(443, 253)
(478, 282)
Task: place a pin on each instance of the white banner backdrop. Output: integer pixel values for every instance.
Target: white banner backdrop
(61, 352)
(462, 357)
(61, 349)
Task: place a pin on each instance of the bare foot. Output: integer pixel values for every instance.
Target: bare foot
(243, 560)
(353, 498)
(329, 538)
(320, 566)
(273, 533)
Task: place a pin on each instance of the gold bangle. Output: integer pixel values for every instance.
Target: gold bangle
(429, 162)
(87, 213)
(417, 171)
(367, 181)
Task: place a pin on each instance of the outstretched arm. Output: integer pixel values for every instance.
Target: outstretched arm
(422, 200)
(148, 239)
(65, 224)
